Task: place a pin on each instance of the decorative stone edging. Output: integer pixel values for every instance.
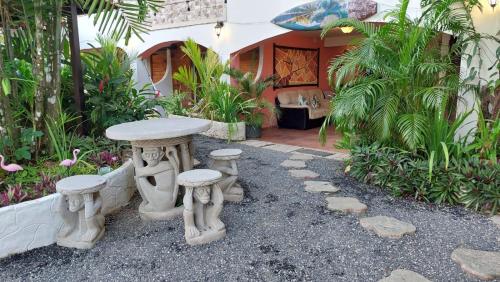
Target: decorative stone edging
(35, 223)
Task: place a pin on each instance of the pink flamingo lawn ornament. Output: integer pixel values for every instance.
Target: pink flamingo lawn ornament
(10, 167)
(69, 163)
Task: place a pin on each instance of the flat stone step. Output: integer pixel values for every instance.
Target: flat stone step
(256, 143)
(339, 157)
(301, 157)
(293, 164)
(496, 220)
(303, 173)
(387, 227)
(482, 264)
(283, 148)
(320, 186)
(313, 152)
(403, 275)
(346, 205)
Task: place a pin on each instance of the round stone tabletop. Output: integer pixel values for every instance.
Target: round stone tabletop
(154, 129)
(80, 184)
(226, 154)
(199, 177)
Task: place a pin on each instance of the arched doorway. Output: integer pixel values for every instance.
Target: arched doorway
(161, 62)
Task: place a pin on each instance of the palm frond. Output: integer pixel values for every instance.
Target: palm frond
(121, 18)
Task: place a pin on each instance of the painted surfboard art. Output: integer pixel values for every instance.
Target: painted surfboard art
(316, 14)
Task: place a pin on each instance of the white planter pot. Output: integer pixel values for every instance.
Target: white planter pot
(35, 223)
(222, 130)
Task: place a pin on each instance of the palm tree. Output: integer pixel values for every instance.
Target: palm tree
(394, 84)
(253, 89)
(38, 27)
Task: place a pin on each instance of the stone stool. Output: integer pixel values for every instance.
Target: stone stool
(80, 208)
(203, 203)
(225, 161)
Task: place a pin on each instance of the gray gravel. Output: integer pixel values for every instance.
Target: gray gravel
(279, 233)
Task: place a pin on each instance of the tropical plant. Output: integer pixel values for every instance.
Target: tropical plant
(227, 105)
(206, 74)
(33, 34)
(469, 181)
(174, 104)
(252, 88)
(486, 141)
(60, 134)
(394, 84)
(112, 97)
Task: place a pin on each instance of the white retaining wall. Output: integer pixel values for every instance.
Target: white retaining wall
(35, 223)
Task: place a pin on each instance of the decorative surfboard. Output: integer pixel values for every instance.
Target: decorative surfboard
(316, 14)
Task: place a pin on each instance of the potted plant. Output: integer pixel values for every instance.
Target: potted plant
(253, 89)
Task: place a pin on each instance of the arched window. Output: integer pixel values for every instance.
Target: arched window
(250, 61)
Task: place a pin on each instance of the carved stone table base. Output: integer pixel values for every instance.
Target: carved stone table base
(157, 164)
(160, 215)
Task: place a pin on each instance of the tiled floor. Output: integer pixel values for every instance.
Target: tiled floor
(303, 138)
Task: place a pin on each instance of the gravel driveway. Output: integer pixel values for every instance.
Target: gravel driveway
(278, 233)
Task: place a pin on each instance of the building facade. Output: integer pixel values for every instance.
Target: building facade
(246, 36)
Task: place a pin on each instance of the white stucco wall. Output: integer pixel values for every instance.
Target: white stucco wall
(486, 21)
(248, 22)
(35, 224)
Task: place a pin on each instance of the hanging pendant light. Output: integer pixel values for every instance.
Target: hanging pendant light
(347, 29)
(218, 28)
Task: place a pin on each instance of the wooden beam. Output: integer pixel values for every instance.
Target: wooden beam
(76, 67)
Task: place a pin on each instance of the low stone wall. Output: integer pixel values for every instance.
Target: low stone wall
(221, 130)
(35, 224)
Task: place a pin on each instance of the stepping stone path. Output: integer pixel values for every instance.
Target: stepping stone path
(320, 186)
(339, 157)
(293, 164)
(303, 173)
(301, 157)
(256, 143)
(387, 227)
(496, 220)
(482, 264)
(403, 275)
(346, 205)
(283, 148)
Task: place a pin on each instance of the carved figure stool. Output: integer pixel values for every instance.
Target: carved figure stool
(80, 207)
(203, 203)
(224, 161)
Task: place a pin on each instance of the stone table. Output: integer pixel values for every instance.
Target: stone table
(80, 208)
(162, 148)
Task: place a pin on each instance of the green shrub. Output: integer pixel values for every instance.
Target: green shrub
(472, 182)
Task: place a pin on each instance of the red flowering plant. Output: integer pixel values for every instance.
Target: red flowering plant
(112, 96)
(105, 158)
(13, 194)
(46, 186)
